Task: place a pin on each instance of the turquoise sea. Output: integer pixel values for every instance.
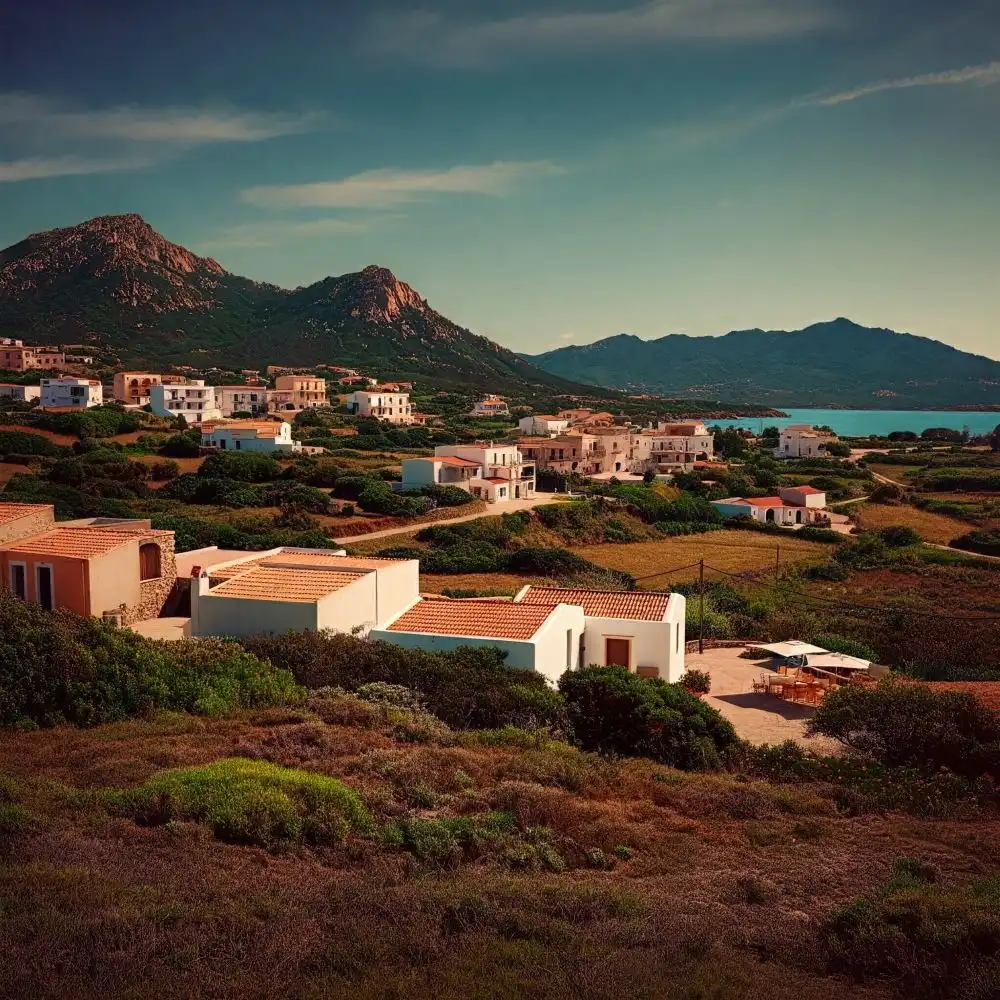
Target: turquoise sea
(860, 423)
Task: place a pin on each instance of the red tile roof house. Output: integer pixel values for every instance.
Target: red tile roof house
(118, 569)
(793, 507)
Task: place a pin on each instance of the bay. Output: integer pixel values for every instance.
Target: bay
(861, 423)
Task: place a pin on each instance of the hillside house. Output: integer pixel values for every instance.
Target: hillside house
(676, 447)
(496, 473)
(133, 388)
(537, 637)
(794, 507)
(644, 632)
(565, 453)
(22, 359)
(233, 399)
(298, 589)
(490, 406)
(193, 400)
(393, 407)
(543, 425)
(67, 392)
(21, 393)
(102, 567)
(249, 435)
(297, 392)
(614, 446)
(803, 441)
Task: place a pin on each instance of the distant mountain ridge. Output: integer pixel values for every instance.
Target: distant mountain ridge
(834, 364)
(114, 280)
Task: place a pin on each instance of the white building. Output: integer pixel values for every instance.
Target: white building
(543, 425)
(393, 407)
(535, 637)
(78, 393)
(795, 506)
(676, 447)
(23, 393)
(249, 435)
(297, 589)
(193, 400)
(642, 631)
(233, 399)
(803, 441)
(493, 472)
(490, 406)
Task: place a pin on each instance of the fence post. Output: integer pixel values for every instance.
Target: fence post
(701, 606)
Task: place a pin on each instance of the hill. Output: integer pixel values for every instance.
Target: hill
(826, 365)
(114, 281)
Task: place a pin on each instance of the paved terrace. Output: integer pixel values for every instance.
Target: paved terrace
(758, 718)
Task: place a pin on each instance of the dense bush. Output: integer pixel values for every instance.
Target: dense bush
(165, 470)
(899, 537)
(242, 466)
(186, 445)
(98, 421)
(25, 443)
(844, 644)
(447, 496)
(261, 533)
(984, 542)
(811, 533)
(614, 711)
(67, 500)
(907, 724)
(468, 689)
(887, 493)
(57, 667)
(953, 480)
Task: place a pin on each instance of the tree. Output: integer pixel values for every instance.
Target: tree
(994, 438)
(839, 449)
(944, 434)
(730, 442)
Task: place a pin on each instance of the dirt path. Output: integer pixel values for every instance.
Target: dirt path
(496, 509)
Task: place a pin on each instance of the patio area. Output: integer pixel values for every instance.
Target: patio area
(757, 714)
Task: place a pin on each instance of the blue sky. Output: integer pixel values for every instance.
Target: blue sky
(545, 173)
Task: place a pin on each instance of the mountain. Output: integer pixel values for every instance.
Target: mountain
(115, 282)
(835, 364)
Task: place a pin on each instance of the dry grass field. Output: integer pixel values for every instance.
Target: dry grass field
(10, 469)
(898, 473)
(668, 884)
(931, 527)
(61, 439)
(730, 551)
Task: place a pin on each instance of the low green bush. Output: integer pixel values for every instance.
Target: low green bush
(96, 422)
(844, 644)
(240, 466)
(613, 711)
(985, 542)
(248, 801)
(25, 443)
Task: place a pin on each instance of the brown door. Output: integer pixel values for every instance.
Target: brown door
(617, 652)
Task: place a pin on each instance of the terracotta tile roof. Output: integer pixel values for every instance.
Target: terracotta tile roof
(465, 463)
(808, 490)
(78, 543)
(473, 619)
(264, 428)
(317, 559)
(644, 606)
(497, 481)
(12, 511)
(270, 584)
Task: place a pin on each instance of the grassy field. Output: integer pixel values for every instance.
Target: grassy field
(898, 473)
(674, 886)
(931, 527)
(730, 551)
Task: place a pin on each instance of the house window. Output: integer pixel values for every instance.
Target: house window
(44, 587)
(18, 580)
(677, 639)
(569, 648)
(149, 561)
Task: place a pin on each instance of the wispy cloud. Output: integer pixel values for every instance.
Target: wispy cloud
(37, 168)
(983, 75)
(183, 126)
(268, 234)
(430, 36)
(388, 187)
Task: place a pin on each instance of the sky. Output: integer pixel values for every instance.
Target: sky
(544, 173)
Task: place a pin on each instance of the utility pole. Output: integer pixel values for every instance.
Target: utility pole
(701, 606)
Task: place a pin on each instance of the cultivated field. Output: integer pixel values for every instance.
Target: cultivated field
(730, 551)
(931, 527)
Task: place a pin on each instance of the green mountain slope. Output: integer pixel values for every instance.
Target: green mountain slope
(829, 364)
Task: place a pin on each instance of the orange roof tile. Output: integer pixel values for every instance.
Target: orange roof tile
(272, 584)
(77, 543)
(317, 559)
(465, 463)
(473, 619)
(12, 511)
(808, 490)
(644, 606)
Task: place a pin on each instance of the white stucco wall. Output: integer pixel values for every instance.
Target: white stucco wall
(349, 608)
(240, 617)
(398, 588)
(550, 640)
(418, 472)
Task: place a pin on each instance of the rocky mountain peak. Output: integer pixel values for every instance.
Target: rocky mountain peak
(383, 297)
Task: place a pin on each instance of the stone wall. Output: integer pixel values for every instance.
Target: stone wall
(692, 645)
(155, 592)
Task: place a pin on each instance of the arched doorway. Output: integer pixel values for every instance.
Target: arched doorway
(769, 516)
(798, 517)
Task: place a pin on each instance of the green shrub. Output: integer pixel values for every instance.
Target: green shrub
(25, 443)
(186, 445)
(449, 841)
(899, 537)
(696, 681)
(846, 645)
(907, 724)
(248, 801)
(165, 470)
(59, 667)
(614, 711)
(930, 941)
(242, 466)
(985, 542)
(97, 422)
(469, 688)
(811, 533)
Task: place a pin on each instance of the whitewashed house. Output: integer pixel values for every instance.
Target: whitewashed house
(543, 425)
(803, 441)
(794, 507)
(391, 406)
(74, 393)
(677, 447)
(496, 473)
(193, 400)
(250, 435)
(490, 406)
(542, 638)
(644, 632)
(232, 399)
(22, 393)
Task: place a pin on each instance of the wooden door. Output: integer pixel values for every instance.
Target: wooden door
(618, 653)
